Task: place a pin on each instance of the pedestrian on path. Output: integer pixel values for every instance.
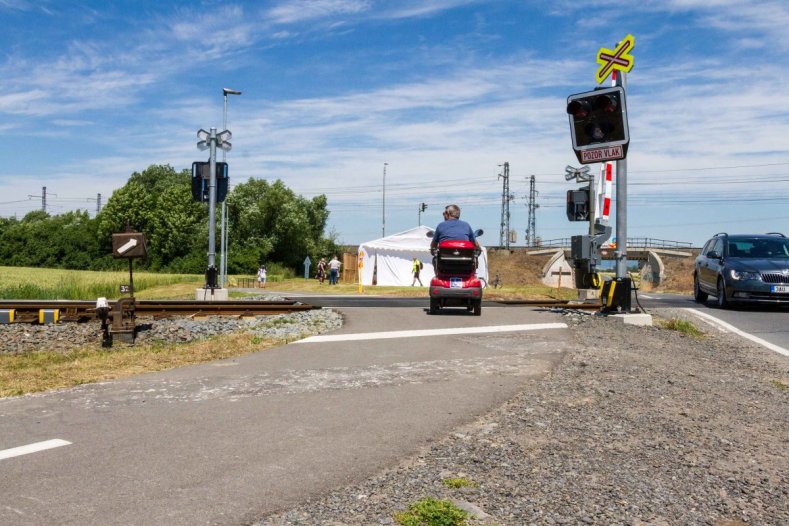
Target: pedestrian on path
(321, 270)
(334, 270)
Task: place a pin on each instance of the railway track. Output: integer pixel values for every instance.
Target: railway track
(561, 304)
(30, 311)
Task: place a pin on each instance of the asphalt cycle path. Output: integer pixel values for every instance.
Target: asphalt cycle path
(231, 441)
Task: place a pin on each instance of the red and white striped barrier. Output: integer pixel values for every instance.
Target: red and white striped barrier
(604, 185)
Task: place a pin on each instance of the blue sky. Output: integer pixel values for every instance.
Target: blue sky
(444, 91)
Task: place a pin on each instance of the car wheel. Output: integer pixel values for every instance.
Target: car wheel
(478, 308)
(433, 306)
(699, 295)
(722, 301)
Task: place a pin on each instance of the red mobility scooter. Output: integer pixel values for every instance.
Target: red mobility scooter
(456, 283)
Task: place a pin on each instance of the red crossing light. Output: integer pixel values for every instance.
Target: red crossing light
(598, 120)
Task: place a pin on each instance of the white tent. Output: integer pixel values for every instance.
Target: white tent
(391, 258)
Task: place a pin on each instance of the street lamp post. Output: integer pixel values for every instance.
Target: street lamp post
(383, 205)
(224, 225)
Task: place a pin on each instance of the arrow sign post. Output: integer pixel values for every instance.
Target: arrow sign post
(615, 59)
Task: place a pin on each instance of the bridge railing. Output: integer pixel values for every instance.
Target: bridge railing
(649, 242)
(633, 242)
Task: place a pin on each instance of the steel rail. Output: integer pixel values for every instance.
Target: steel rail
(218, 308)
(80, 311)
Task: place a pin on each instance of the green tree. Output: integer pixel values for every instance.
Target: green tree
(158, 202)
(40, 240)
(269, 222)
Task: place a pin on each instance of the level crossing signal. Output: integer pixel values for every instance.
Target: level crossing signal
(598, 124)
(578, 204)
(201, 176)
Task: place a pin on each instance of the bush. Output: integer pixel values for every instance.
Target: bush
(432, 512)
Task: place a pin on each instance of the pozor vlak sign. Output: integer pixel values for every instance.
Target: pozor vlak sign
(598, 124)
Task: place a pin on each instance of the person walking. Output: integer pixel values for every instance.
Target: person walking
(262, 276)
(321, 270)
(415, 268)
(334, 270)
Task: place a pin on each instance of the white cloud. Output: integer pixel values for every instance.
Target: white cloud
(21, 5)
(216, 33)
(767, 18)
(418, 8)
(292, 11)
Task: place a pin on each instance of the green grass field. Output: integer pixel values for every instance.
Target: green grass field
(56, 284)
(22, 283)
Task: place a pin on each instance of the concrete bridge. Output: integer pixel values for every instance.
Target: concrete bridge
(558, 271)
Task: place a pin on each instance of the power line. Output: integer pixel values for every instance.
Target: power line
(14, 202)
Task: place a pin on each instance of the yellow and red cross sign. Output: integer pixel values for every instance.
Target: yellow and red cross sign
(618, 58)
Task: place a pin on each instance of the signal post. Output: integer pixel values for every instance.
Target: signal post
(210, 140)
(599, 132)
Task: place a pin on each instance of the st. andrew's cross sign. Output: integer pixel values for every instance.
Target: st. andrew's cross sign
(617, 58)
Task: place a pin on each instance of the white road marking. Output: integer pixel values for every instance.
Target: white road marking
(731, 328)
(430, 332)
(32, 448)
(647, 297)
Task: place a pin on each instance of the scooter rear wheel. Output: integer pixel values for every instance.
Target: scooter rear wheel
(434, 306)
(478, 308)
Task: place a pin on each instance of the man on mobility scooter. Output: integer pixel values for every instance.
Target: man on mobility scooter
(455, 250)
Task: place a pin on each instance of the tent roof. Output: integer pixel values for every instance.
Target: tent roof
(413, 239)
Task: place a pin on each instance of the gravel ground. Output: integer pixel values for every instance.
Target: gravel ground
(636, 426)
(22, 338)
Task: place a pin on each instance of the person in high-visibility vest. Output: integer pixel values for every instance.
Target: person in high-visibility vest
(415, 268)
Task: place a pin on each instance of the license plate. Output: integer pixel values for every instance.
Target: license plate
(780, 289)
(455, 283)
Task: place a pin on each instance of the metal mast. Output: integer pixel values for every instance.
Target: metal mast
(506, 197)
(43, 197)
(531, 229)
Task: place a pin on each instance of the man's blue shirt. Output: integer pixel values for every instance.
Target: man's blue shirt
(453, 229)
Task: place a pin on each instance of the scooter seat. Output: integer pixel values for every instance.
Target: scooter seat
(456, 244)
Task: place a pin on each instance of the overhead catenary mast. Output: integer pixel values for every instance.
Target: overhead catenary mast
(43, 197)
(531, 228)
(506, 197)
